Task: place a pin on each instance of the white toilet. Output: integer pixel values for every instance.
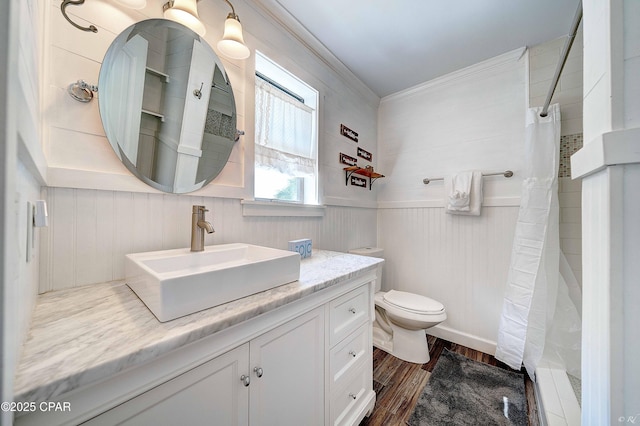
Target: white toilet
(402, 318)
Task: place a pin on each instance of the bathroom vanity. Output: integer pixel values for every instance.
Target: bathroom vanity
(300, 353)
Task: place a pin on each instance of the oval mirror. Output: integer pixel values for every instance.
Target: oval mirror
(167, 106)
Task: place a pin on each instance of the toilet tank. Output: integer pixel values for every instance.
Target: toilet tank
(373, 252)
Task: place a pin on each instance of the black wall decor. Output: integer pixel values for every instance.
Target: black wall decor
(364, 154)
(347, 132)
(348, 160)
(358, 181)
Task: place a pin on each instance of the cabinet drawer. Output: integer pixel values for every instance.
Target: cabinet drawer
(348, 397)
(348, 354)
(347, 313)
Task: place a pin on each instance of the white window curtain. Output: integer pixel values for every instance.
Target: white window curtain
(284, 129)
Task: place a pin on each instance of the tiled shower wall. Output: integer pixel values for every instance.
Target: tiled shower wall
(543, 60)
(569, 196)
(569, 145)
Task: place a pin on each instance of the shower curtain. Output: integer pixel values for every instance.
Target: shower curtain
(531, 293)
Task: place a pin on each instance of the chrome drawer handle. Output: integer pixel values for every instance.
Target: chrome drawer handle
(353, 353)
(353, 395)
(352, 310)
(258, 371)
(245, 380)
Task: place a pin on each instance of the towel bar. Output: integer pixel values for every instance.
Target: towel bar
(507, 174)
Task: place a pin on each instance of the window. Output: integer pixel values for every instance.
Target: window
(286, 146)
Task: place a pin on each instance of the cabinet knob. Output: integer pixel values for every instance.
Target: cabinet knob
(352, 310)
(353, 395)
(353, 353)
(258, 371)
(246, 380)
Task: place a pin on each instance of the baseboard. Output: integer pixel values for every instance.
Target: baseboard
(464, 339)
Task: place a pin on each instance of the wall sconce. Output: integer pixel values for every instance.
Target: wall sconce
(132, 4)
(184, 12)
(232, 43)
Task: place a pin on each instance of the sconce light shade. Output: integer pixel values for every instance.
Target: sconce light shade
(132, 4)
(186, 13)
(232, 43)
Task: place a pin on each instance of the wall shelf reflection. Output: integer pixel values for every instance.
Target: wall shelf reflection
(158, 73)
(154, 114)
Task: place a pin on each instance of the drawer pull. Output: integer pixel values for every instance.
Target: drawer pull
(352, 310)
(245, 380)
(353, 395)
(353, 353)
(258, 371)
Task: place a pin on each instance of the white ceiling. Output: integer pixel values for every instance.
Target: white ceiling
(395, 44)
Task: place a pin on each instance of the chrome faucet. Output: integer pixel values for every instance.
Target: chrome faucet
(198, 226)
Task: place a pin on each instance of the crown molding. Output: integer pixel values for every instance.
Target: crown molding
(272, 10)
(509, 57)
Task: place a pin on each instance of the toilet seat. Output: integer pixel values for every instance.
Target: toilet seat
(413, 303)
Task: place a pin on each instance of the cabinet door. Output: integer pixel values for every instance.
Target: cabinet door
(290, 389)
(210, 394)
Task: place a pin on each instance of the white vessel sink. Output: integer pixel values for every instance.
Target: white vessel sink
(174, 283)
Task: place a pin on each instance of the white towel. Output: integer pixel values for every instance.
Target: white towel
(460, 192)
(455, 195)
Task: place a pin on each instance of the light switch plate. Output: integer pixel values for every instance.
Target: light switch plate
(29, 230)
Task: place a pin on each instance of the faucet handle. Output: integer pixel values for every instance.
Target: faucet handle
(199, 209)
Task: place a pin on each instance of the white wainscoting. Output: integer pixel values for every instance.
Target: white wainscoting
(90, 231)
(459, 261)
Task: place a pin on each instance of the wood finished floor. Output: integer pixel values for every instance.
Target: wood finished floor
(398, 384)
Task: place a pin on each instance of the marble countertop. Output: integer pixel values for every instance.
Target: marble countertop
(82, 335)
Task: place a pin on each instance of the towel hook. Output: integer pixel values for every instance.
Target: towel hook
(64, 5)
(198, 92)
(82, 91)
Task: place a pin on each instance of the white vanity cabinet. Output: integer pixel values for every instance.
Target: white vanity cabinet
(287, 366)
(350, 372)
(208, 394)
(275, 379)
(308, 362)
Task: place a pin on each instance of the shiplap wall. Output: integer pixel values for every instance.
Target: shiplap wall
(471, 119)
(79, 155)
(99, 211)
(23, 169)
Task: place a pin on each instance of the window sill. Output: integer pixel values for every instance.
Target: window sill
(274, 208)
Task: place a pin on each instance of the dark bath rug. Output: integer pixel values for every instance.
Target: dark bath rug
(462, 391)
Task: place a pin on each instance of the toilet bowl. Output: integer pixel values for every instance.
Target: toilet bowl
(401, 321)
(402, 318)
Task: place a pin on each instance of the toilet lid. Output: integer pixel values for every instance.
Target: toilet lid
(413, 302)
